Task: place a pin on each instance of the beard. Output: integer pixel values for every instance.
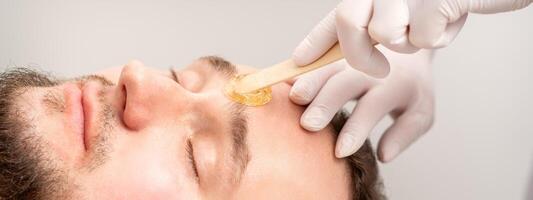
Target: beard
(26, 169)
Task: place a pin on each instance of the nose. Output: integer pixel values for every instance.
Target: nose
(148, 97)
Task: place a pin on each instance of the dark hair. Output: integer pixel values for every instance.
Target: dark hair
(23, 168)
(366, 183)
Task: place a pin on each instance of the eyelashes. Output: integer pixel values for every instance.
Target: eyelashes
(190, 157)
(174, 75)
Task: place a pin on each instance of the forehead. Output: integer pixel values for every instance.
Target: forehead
(287, 158)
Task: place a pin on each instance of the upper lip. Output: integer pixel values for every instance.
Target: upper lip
(80, 107)
(74, 110)
(88, 106)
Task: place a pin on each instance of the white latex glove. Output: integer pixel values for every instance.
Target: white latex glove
(407, 94)
(400, 25)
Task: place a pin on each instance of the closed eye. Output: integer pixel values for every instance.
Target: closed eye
(190, 156)
(174, 75)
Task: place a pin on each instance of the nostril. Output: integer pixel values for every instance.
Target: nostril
(120, 100)
(136, 88)
(125, 94)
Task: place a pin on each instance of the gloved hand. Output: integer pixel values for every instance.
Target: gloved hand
(400, 25)
(407, 94)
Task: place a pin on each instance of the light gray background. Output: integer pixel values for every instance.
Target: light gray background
(479, 148)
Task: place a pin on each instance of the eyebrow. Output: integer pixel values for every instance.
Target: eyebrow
(220, 65)
(240, 154)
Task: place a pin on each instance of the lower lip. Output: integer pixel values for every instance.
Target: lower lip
(74, 110)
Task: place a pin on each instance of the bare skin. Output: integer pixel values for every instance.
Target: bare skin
(151, 120)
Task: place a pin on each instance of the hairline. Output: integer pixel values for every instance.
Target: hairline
(365, 182)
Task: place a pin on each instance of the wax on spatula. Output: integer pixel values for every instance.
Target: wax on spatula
(254, 89)
(254, 98)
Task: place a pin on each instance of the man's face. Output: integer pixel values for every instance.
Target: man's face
(145, 135)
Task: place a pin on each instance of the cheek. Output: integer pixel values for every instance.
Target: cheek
(143, 185)
(141, 174)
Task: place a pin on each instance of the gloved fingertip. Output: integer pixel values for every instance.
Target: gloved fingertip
(381, 66)
(400, 40)
(401, 45)
(312, 124)
(299, 59)
(443, 41)
(314, 119)
(389, 152)
(302, 55)
(301, 92)
(345, 146)
(298, 95)
(431, 43)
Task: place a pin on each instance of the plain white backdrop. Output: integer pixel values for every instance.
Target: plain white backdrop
(481, 146)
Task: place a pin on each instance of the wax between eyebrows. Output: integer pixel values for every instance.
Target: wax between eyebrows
(256, 98)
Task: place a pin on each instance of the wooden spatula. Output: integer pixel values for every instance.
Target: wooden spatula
(284, 71)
